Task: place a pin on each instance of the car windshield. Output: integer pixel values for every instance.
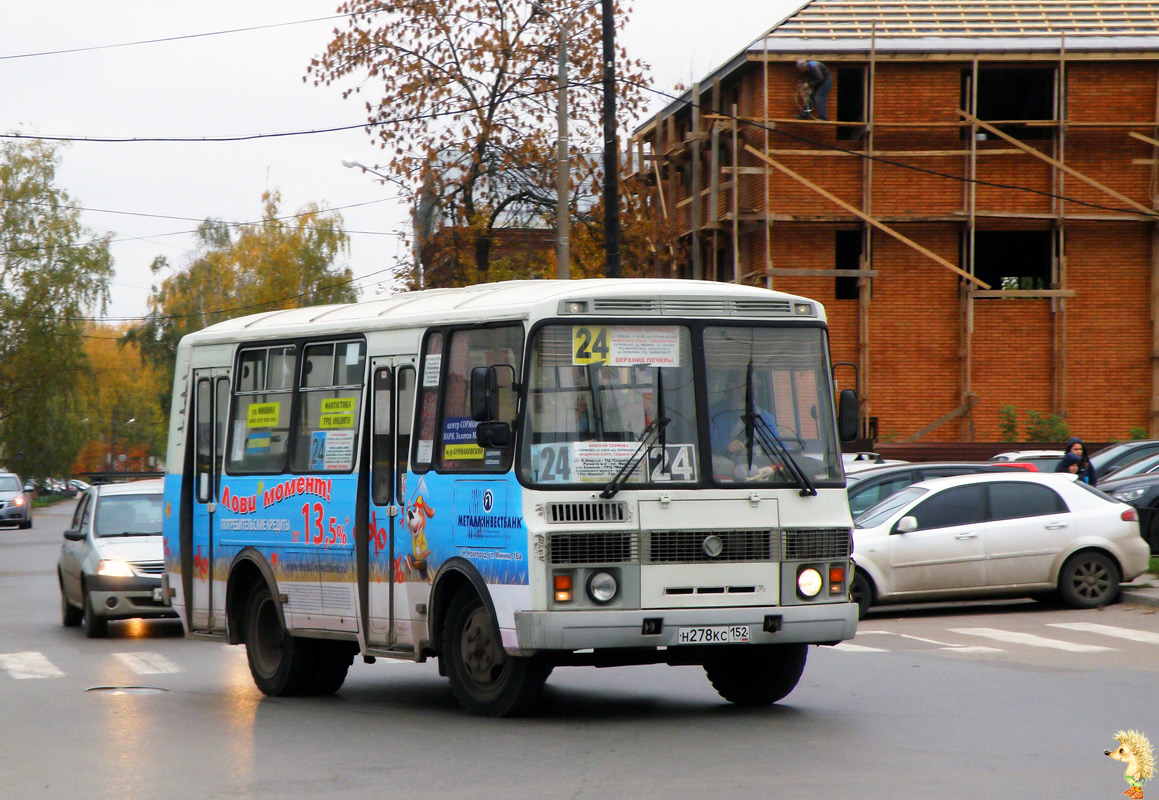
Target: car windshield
(8, 483)
(128, 514)
(888, 507)
(1138, 467)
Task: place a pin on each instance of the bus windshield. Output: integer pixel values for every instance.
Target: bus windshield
(601, 396)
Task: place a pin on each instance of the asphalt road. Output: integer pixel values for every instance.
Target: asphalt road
(948, 702)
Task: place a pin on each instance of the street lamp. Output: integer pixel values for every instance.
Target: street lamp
(562, 217)
(350, 163)
(113, 438)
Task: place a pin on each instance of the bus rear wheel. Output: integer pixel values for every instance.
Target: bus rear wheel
(484, 678)
(282, 665)
(757, 676)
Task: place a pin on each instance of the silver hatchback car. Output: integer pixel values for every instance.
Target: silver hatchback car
(15, 504)
(112, 558)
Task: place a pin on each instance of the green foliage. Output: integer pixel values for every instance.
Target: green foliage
(1137, 433)
(1007, 423)
(53, 273)
(1046, 427)
(274, 264)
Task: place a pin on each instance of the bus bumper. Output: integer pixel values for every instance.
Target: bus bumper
(823, 623)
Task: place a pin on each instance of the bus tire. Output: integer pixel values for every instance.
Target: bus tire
(282, 665)
(333, 662)
(484, 678)
(757, 676)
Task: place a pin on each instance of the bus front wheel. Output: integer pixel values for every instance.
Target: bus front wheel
(281, 664)
(484, 678)
(757, 676)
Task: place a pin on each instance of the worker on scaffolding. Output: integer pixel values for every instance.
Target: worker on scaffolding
(820, 82)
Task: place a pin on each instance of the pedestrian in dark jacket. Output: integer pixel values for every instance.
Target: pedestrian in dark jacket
(820, 82)
(1076, 461)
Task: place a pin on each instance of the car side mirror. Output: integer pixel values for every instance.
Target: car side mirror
(906, 524)
(74, 535)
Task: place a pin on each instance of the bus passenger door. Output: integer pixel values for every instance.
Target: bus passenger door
(210, 409)
(394, 392)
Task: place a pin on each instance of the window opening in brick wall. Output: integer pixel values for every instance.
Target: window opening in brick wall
(1013, 259)
(847, 249)
(1010, 93)
(851, 102)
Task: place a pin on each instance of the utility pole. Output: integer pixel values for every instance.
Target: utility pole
(611, 149)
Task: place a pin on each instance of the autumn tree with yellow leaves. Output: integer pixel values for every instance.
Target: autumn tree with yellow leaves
(277, 263)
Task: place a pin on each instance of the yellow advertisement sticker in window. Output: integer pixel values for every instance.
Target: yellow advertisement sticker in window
(336, 421)
(339, 405)
(262, 415)
(455, 452)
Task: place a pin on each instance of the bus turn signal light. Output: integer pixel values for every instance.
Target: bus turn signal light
(562, 585)
(836, 580)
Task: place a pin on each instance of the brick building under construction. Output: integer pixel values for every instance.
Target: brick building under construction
(978, 216)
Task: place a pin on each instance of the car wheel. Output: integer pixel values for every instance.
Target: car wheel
(70, 615)
(757, 676)
(26, 524)
(861, 592)
(1088, 579)
(484, 678)
(282, 665)
(96, 626)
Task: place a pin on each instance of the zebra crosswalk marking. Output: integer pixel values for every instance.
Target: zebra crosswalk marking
(147, 663)
(1030, 639)
(1130, 634)
(28, 665)
(858, 648)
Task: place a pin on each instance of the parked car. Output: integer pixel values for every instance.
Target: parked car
(1043, 460)
(1142, 466)
(15, 503)
(112, 559)
(996, 534)
(869, 487)
(855, 462)
(1142, 492)
(1114, 456)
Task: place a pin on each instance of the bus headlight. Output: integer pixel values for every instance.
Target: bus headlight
(809, 582)
(602, 587)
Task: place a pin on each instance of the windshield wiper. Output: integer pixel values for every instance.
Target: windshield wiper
(647, 439)
(769, 441)
(775, 448)
(129, 533)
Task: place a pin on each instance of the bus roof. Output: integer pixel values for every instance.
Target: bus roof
(629, 297)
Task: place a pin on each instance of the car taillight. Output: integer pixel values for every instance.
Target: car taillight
(1129, 515)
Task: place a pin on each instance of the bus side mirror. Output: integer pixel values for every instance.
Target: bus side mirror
(493, 434)
(486, 385)
(847, 413)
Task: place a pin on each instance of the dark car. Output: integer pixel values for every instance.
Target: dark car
(1114, 456)
(1142, 492)
(870, 486)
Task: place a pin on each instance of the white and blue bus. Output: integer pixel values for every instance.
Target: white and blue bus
(513, 477)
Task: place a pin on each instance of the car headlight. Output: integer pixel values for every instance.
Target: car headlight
(114, 568)
(18, 501)
(602, 587)
(1128, 495)
(809, 582)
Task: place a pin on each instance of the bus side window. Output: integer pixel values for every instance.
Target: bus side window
(381, 460)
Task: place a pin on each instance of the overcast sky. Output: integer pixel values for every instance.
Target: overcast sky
(248, 83)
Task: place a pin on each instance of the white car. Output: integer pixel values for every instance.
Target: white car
(1043, 460)
(995, 534)
(113, 557)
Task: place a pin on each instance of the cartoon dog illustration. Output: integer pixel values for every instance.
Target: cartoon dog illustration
(416, 522)
(1135, 751)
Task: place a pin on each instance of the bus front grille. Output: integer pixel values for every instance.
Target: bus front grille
(807, 544)
(586, 512)
(690, 547)
(604, 547)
